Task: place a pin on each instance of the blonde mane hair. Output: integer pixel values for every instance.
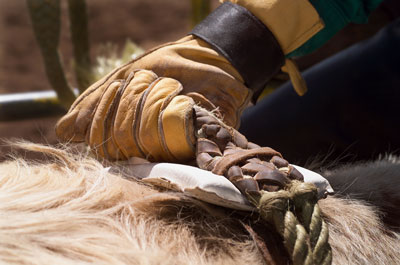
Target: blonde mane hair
(70, 209)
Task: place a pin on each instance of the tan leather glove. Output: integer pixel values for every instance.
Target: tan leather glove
(141, 115)
(132, 113)
(206, 76)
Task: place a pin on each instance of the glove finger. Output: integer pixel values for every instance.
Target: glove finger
(99, 138)
(126, 121)
(75, 124)
(154, 100)
(177, 128)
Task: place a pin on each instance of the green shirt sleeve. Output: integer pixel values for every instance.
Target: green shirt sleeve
(336, 14)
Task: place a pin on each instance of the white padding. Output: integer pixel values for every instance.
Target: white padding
(193, 181)
(322, 184)
(204, 185)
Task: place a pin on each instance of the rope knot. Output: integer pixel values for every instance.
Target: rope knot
(295, 214)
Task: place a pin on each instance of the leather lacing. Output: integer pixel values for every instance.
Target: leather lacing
(271, 184)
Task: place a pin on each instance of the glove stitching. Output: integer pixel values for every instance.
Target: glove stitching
(91, 90)
(99, 147)
(161, 135)
(89, 126)
(138, 117)
(109, 125)
(121, 147)
(106, 125)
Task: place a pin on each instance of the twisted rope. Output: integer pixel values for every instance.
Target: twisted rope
(306, 236)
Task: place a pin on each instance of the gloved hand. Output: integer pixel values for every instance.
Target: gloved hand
(140, 115)
(105, 113)
(135, 113)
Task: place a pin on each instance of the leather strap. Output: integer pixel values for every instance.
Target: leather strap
(244, 41)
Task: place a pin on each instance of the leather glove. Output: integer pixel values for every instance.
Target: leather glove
(136, 113)
(205, 78)
(140, 115)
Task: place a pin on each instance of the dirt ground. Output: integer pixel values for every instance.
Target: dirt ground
(145, 22)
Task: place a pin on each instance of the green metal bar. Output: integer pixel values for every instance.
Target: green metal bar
(46, 22)
(80, 39)
(200, 9)
(30, 105)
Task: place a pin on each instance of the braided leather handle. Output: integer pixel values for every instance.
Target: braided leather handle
(273, 185)
(224, 151)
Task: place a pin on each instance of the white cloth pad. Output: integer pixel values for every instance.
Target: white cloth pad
(204, 185)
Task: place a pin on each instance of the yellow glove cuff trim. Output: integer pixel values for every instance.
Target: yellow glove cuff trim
(299, 84)
(293, 22)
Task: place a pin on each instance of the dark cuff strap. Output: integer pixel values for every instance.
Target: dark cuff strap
(245, 41)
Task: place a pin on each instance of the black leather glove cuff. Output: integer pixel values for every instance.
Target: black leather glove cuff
(244, 41)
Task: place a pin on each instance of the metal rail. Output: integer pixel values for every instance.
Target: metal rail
(19, 106)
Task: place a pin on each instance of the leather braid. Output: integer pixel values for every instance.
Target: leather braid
(270, 183)
(224, 151)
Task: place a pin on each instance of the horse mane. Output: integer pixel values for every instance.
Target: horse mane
(68, 208)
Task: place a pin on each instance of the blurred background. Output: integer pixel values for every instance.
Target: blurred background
(111, 23)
